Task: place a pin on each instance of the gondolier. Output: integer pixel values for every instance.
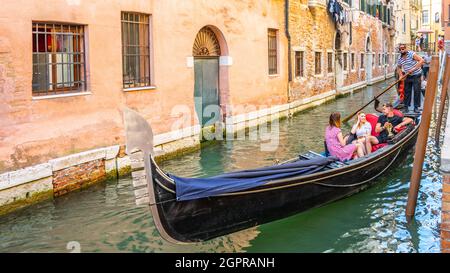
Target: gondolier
(411, 63)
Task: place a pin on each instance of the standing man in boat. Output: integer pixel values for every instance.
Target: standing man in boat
(410, 63)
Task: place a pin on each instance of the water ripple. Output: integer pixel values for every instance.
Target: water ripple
(104, 218)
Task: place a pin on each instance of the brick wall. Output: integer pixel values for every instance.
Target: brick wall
(445, 223)
(76, 177)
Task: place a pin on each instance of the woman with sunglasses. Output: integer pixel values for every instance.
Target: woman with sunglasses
(363, 129)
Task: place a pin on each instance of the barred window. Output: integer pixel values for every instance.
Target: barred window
(345, 59)
(59, 65)
(318, 63)
(374, 59)
(299, 69)
(330, 62)
(353, 61)
(272, 39)
(135, 50)
(362, 61)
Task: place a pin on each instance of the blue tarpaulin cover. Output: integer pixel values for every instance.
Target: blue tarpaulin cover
(195, 188)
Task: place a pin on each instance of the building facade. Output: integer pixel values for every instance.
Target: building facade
(343, 54)
(68, 68)
(403, 21)
(78, 63)
(416, 17)
(431, 21)
(445, 23)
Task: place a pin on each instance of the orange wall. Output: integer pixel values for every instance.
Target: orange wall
(32, 131)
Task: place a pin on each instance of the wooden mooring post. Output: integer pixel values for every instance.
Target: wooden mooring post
(443, 98)
(421, 143)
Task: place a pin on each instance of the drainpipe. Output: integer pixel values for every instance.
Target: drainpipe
(288, 36)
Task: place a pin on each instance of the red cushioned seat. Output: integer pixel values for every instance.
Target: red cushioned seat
(372, 119)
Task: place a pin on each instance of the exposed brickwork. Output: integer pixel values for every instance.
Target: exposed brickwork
(76, 177)
(304, 21)
(445, 215)
(446, 188)
(445, 246)
(445, 197)
(446, 179)
(445, 206)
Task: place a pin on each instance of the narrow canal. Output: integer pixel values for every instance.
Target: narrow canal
(104, 218)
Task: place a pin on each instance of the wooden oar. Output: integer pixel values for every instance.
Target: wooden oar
(376, 97)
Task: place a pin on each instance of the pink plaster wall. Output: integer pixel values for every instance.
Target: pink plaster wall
(33, 131)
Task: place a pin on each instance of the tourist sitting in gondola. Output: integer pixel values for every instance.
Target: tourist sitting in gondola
(336, 144)
(362, 132)
(388, 124)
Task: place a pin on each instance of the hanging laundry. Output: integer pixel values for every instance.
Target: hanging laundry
(337, 12)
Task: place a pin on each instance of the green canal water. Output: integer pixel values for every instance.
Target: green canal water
(104, 218)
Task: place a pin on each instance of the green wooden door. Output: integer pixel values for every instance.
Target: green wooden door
(206, 90)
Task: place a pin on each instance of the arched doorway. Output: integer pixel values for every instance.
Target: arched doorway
(369, 61)
(206, 52)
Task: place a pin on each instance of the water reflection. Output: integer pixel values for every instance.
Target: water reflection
(104, 218)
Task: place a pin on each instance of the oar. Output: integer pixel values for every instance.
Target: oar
(376, 97)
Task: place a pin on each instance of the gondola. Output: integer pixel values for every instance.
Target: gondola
(201, 217)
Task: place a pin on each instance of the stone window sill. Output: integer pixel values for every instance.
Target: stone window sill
(139, 88)
(61, 96)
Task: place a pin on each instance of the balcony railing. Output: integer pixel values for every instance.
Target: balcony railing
(428, 46)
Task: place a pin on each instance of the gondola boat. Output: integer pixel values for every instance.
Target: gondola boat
(202, 217)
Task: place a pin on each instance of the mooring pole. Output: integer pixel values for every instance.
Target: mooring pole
(421, 143)
(442, 101)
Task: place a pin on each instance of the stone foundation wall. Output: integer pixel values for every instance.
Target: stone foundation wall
(75, 177)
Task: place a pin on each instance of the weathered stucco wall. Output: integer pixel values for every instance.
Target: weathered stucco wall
(312, 29)
(34, 131)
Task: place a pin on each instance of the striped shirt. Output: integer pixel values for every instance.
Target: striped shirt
(407, 63)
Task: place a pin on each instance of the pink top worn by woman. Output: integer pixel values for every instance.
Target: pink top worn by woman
(334, 146)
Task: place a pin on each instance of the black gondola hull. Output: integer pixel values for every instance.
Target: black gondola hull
(207, 218)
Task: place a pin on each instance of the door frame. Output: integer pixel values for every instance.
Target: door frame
(221, 115)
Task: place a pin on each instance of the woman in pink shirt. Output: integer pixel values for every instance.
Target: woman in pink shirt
(335, 141)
